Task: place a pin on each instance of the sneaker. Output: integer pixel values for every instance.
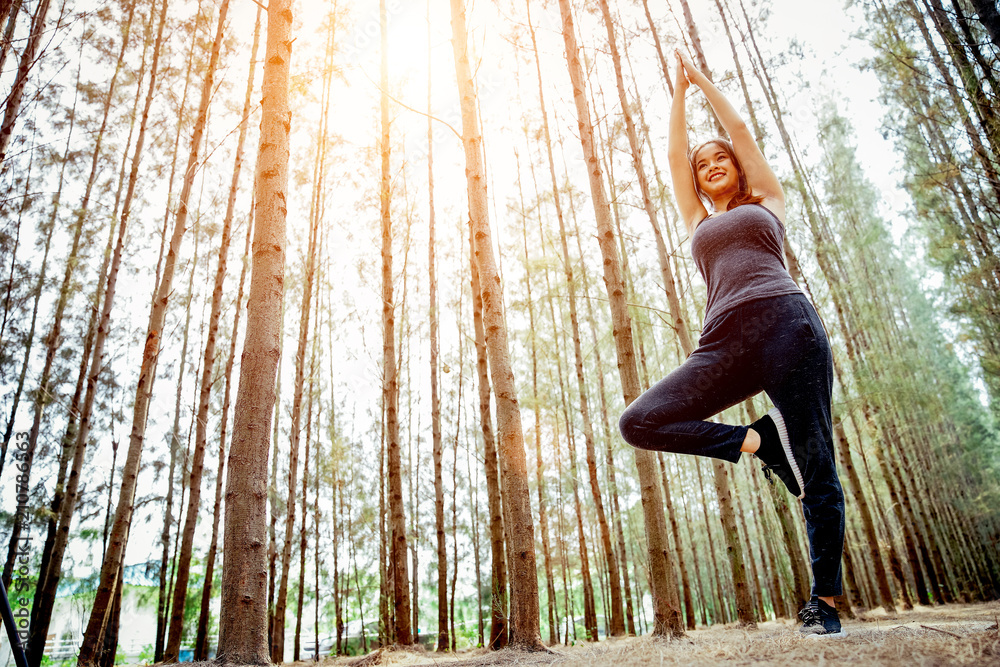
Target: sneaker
(820, 620)
(776, 452)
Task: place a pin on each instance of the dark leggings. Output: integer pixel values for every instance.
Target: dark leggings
(776, 345)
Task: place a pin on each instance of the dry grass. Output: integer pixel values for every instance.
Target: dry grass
(926, 636)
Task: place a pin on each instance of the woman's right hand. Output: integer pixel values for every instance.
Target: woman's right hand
(682, 82)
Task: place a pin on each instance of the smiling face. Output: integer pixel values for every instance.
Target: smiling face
(715, 170)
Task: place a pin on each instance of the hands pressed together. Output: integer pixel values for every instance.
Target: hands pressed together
(687, 72)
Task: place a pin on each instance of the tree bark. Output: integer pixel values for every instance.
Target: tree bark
(443, 642)
(390, 381)
(617, 619)
(520, 533)
(664, 590)
(201, 639)
(13, 9)
(243, 618)
(498, 598)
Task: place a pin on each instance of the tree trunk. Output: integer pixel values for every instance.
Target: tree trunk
(281, 600)
(667, 619)
(609, 457)
(13, 9)
(303, 541)
(201, 640)
(390, 381)
(989, 16)
(243, 618)
(45, 595)
(685, 582)
(702, 598)
(26, 456)
(454, 480)
(208, 364)
(147, 374)
(168, 564)
(54, 338)
(617, 619)
(970, 79)
(543, 525)
(443, 641)
(498, 587)
(29, 57)
(868, 525)
(518, 522)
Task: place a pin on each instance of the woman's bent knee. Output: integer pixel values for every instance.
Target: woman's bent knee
(630, 426)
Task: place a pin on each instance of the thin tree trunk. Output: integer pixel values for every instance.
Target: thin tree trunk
(147, 373)
(26, 456)
(543, 526)
(702, 598)
(617, 619)
(13, 10)
(474, 529)
(454, 476)
(691, 622)
(719, 609)
(498, 587)
(108, 649)
(443, 642)
(243, 618)
(568, 612)
(169, 564)
(609, 457)
(970, 80)
(48, 230)
(303, 541)
(589, 606)
(201, 640)
(868, 525)
(390, 391)
(168, 207)
(54, 338)
(44, 599)
(29, 57)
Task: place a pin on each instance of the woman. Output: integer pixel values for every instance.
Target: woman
(760, 334)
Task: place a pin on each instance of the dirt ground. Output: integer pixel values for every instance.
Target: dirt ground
(926, 636)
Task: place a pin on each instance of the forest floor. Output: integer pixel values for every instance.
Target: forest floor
(948, 635)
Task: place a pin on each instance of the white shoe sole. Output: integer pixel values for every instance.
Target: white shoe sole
(831, 635)
(786, 446)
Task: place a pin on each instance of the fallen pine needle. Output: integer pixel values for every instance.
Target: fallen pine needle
(927, 627)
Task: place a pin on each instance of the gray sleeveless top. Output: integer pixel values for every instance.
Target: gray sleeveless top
(739, 254)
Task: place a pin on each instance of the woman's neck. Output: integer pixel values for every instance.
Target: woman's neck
(721, 203)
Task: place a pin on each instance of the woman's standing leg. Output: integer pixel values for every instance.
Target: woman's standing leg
(797, 369)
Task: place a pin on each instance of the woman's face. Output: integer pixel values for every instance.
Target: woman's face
(715, 170)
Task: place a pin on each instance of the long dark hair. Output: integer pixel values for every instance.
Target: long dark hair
(744, 195)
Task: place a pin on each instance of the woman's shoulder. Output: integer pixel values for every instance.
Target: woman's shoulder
(775, 206)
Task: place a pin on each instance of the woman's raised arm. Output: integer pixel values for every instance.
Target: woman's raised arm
(760, 177)
(691, 207)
